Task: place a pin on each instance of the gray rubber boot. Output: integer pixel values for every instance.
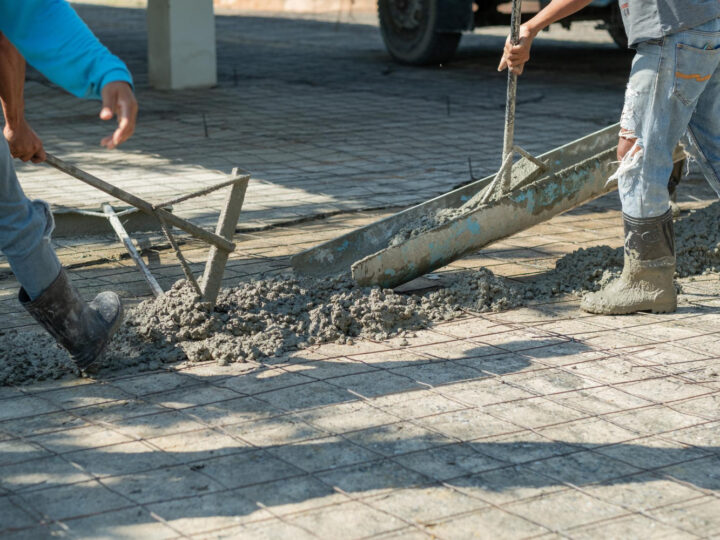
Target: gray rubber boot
(83, 329)
(646, 283)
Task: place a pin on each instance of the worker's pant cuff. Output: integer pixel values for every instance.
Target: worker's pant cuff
(38, 270)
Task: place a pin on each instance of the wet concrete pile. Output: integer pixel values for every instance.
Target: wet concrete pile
(269, 317)
(259, 319)
(272, 316)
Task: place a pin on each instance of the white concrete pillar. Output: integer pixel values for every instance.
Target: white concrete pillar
(181, 44)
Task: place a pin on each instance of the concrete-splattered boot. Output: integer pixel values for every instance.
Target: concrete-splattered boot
(81, 328)
(646, 283)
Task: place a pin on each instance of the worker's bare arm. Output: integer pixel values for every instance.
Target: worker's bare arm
(23, 141)
(516, 56)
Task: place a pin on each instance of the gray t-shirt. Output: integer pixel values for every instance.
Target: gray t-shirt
(653, 19)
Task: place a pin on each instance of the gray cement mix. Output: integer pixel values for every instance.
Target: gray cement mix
(425, 223)
(523, 172)
(270, 317)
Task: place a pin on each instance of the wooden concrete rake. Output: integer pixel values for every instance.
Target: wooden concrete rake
(221, 244)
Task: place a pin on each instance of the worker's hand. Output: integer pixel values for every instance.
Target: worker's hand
(24, 142)
(516, 56)
(118, 100)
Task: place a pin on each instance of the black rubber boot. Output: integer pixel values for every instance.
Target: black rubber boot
(646, 283)
(83, 329)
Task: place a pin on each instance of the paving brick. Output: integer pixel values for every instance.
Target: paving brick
(346, 520)
(480, 524)
(87, 498)
(586, 509)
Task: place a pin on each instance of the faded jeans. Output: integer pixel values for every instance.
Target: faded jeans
(25, 229)
(674, 88)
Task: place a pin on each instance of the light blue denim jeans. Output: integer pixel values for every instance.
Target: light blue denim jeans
(25, 229)
(674, 88)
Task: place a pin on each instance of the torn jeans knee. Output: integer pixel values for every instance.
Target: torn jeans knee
(629, 117)
(640, 196)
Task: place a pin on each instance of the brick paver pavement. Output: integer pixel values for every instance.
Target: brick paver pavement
(540, 422)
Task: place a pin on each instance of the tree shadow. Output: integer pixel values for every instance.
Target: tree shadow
(209, 446)
(236, 481)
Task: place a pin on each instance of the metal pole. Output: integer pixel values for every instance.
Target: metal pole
(130, 247)
(202, 192)
(511, 95)
(141, 204)
(217, 258)
(180, 257)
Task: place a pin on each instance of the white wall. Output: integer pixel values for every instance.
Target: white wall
(181, 44)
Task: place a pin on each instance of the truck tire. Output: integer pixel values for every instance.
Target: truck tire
(615, 27)
(409, 30)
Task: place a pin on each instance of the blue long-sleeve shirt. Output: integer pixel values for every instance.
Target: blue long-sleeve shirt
(55, 41)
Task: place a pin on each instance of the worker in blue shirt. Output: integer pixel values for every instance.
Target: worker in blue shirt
(54, 40)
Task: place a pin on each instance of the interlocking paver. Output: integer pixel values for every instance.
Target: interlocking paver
(474, 525)
(164, 484)
(119, 459)
(232, 412)
(248, 468)
(582, 468)
(14, 515)
(448, 461)
(345, 519)
(399, 438)
(585, 509)
(63, 441)
(326, 453)
(190, 516)
(198, 445)
(15, 451)
(699, 517)
(379, 476)
(347, 417)
(468, 424)
(620, 528)
(276, 431)
(25, 406)
(134, 522)
(33, 475)
(636, 496)
(87, 498)
(589, 433)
